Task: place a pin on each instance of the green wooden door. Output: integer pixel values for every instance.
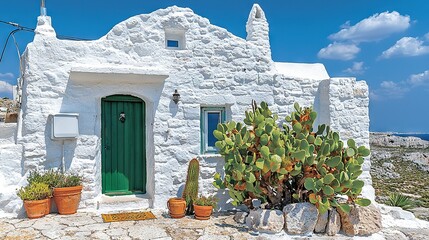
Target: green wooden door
(123, 145)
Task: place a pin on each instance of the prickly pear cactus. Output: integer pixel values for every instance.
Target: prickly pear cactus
(288, 164)
(190, 193)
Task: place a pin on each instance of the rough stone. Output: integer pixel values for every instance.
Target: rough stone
(146, 232)
(361, 220)
(267, 221)
(240, 217)
(415, 233)
(322, 221)
(334, 223)
(392, 234)
(300, 218)
(5, 228)
(396, 212)
(421, 213)
(256, 203)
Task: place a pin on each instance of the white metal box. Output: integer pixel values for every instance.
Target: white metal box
(65, 125)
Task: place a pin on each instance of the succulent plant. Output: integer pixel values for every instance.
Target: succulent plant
(288, 164)
(190, 193)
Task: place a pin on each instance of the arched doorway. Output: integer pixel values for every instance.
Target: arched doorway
(123, 145)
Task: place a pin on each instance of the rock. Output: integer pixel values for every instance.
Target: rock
(389, 140)
(240, 217)
(396, 213)
(415, 233)
(361, 220)
(300, 218)
(388, 165)
(421, 159)
(421, 213)
(391, 234)
(322, 220)
(267, 221)
(256, 203)
(334, 223)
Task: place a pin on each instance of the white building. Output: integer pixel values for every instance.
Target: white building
(133, 138)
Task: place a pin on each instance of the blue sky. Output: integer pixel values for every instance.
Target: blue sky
(385, 42)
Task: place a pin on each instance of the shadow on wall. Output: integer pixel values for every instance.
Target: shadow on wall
(321, 104)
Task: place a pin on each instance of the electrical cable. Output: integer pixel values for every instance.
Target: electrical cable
(23, 28)
(7, 40)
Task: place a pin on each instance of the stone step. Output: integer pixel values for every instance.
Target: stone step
(112, 204)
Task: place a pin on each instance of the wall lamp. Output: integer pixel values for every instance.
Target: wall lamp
(176, 96)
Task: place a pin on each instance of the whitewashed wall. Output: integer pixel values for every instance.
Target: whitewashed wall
(216, 69)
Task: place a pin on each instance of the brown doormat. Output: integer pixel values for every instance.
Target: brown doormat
(129, 216)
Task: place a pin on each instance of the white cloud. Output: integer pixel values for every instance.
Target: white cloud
(7, 75)
(420, 79)
(357, 68)
(427, 36)
(389, 90)
(406, 46)
(5, 87)
(339, 51)
(374, 28)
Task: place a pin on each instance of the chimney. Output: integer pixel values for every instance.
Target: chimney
(44, 25)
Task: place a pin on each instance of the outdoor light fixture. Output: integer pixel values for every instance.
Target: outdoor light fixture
(176, 96)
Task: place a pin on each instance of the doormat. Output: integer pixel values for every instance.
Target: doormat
(129, 216)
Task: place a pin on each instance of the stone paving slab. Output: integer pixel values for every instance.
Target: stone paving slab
(219, 227)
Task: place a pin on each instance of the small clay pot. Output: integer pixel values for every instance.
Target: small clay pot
(176, 207)
(203, 212)
(36, 208)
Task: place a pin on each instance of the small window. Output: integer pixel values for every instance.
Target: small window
(173, 43)
(175, 39)
(210, 117)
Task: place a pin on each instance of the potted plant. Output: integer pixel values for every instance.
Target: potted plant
(203, 207)
(50, 177)
(67, 192)
(36, 199)
(176, 207)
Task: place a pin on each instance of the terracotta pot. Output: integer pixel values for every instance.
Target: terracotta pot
(36, 208)
(176, 207)
(49, 206)
(203, 212)
(67, 199)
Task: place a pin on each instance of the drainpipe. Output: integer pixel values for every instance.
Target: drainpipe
(63, 162)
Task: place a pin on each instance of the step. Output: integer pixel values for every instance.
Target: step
(112, 204)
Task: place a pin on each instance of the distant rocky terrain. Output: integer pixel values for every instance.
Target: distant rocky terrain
(401, 165)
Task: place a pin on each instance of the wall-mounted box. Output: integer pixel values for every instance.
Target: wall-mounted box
(64, 125)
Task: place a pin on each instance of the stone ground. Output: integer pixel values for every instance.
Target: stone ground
(219, 227)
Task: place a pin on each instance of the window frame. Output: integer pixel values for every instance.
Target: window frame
(205, 149)
(172, 47)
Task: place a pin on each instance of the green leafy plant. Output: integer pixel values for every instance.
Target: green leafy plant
(206, 201)
(190, 193)
(34, 191)
(289, 164)
(55, 178)
(50, 177)
(69, 180)
(400, 200)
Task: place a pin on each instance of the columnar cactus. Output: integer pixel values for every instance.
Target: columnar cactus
(190, 193)
(289, 164)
